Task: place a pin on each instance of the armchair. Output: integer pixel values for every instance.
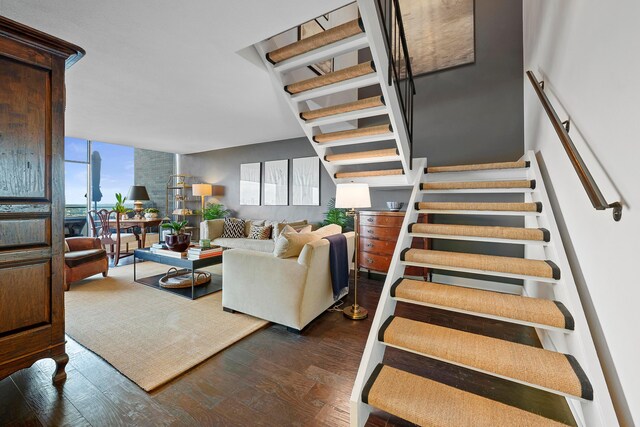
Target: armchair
(84, 257)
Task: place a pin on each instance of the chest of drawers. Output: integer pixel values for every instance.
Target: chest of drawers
(379, 231)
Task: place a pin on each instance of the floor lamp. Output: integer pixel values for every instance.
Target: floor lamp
(353, 196)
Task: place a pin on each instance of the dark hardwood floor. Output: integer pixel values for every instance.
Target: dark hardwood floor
(272, 377)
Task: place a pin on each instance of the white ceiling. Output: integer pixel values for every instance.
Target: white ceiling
(165, 74)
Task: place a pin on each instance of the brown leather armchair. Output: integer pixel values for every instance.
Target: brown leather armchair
(84, 258)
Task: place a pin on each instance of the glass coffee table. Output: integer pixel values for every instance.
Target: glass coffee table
(185, 266)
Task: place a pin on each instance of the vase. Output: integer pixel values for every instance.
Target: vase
(178, 242)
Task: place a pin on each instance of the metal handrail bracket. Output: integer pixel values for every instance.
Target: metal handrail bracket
(562, 129)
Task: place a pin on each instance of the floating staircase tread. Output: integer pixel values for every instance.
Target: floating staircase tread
(548, 370)
(387, 152)
(366, 174)
(361, 104)
(523, 310)
(494, 207)
(331, 78)
(521, 164)
(472, 185)
(316, 41)
(509, 233)
(353, 133)
(429, 403)
(487, 263)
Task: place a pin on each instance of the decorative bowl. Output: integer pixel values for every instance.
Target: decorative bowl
(395, 206)
(178, 242)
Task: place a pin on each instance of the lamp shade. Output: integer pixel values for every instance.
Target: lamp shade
(138, 192)
(202, 189)
(353, 195)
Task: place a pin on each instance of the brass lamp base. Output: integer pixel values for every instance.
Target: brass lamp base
(355, 312)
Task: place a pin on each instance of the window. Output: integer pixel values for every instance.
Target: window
(76, 172)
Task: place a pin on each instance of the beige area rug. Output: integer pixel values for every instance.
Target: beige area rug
(149, 335)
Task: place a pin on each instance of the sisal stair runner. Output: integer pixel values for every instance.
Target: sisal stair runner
(521, 164)
(388, 152)
(428, 403)
(548, 370)
(353, 133)
(361, 104)
(495, 207)
(316, 41)
(487, 263)
(508, 233)
(331, 78)
(536, 312)
(477, 185)
(368, 174)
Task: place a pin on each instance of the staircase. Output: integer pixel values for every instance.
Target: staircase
(329, 107)
(567, 364)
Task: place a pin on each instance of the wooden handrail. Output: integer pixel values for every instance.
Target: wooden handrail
(562, 129)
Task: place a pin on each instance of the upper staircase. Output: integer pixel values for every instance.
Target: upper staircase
(330, 107)
(565, 366)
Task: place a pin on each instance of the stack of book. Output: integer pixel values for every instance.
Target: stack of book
(157, 246)
(170, 253)
(197, 252)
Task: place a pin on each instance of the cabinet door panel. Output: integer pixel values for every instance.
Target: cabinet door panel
(20, 233)
(23, 130)
(25, 296)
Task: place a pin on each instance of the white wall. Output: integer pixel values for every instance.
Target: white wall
(588, 53)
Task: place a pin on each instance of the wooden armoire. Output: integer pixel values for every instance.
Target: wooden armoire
(32, 104)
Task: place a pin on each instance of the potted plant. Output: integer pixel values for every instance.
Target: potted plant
(151, 213)
(120, 209)
(337, 216)
(177, 240)
(214, 211)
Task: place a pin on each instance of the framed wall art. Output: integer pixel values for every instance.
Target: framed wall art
(305, 173)
(275, 188)
(250, 174)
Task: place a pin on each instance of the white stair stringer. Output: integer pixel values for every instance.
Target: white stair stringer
(374, 349)
(600, 411)
(373, 38)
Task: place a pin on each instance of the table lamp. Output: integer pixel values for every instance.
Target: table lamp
(353, 196)
(138, 193)
(202, 190)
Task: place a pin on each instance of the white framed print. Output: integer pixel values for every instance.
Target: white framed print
(250, 174)
(275, 187)
(306, 181)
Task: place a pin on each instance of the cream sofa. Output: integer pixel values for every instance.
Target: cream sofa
(290, 292)
(212, 230)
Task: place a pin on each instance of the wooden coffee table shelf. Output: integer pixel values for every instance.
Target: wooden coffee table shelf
(186, 266)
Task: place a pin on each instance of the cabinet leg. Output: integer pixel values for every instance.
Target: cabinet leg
(61, 362)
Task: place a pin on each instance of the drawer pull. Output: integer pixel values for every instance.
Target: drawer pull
(369, 245)
(370, 231)
(369, 260)
(370, 219)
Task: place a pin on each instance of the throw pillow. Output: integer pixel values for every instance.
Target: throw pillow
(290, 244)
(233, 228)
(328, 230)
(298, 229)
(250, 222)
(295, 225)
(260, 232)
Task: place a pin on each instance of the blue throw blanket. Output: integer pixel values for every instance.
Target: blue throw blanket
(339, 263)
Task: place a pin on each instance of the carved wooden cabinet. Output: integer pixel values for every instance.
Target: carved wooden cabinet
(32, 67)
(379, 231)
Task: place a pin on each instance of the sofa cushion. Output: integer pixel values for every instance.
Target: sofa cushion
(290, 244)
(233, 228)
(66, 246)
(74, 259)
(250, 244)
(260, 232)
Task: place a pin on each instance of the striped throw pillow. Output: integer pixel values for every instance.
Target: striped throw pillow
(233, 228)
